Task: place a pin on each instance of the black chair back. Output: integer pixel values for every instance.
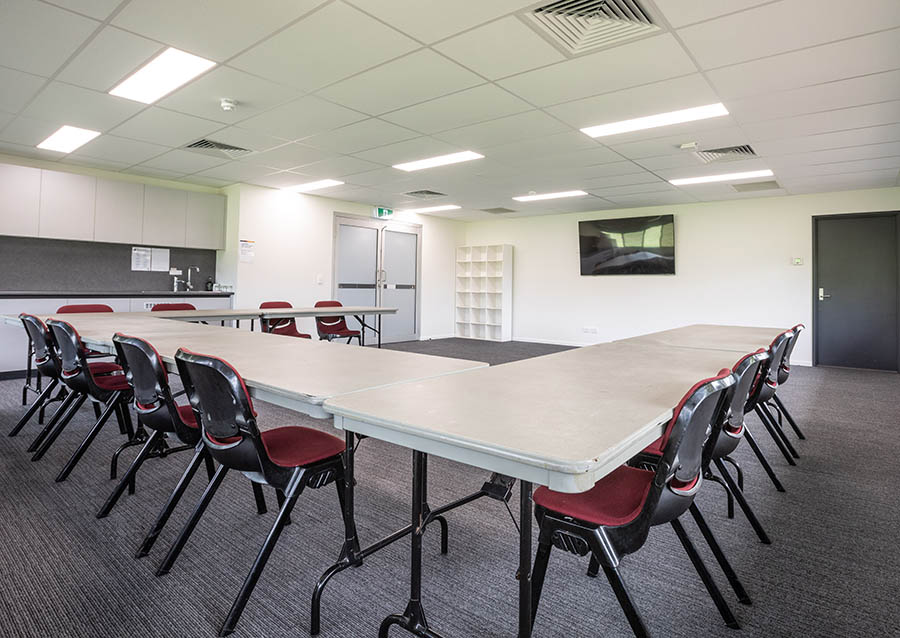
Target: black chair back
(784, 370)
(768, 381)
(46, 359)
(75, 372)
(726, 438)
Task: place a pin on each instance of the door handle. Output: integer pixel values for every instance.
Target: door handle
(822, 295)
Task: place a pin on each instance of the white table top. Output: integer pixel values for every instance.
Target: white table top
(268, 313)
(712, 337)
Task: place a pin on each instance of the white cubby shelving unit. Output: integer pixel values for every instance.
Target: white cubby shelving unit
(484, 292)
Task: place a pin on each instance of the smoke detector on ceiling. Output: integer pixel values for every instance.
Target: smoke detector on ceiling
(228, 105)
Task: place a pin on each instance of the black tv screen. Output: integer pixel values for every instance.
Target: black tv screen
(628, 246)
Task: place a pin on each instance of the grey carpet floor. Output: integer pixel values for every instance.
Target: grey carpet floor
(831, 571)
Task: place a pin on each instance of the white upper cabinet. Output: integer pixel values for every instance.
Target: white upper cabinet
(20, 196)
(205, 221)
(119, 217)
(165, 211)
(67, 205)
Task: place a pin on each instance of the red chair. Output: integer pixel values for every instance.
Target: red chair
(330, 328)
(82, 307)
(160, 307)
(287, 326)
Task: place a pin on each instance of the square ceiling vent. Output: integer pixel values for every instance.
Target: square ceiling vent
(725, 154)
(582, 26)
(217, 149)
(499, 210)
(752, 187)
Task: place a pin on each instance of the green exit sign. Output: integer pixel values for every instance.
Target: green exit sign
(383, 212)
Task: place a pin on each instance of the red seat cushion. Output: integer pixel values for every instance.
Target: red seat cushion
(345, 332)
(186, 412)
(655, 448)
(293, 446)
(290, 330)
(615, 499)
(104, 367)
(112, 382)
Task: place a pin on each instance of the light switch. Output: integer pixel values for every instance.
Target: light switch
(319, 279)
(797, 261)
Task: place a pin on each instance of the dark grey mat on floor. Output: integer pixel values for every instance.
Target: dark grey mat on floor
(832, 570)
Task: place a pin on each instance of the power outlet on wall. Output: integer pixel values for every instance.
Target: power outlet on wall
(591, 330)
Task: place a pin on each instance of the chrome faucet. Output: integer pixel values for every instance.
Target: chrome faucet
(188, 285)
(175, 282)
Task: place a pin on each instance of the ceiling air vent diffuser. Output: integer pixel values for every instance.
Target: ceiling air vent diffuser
(756, 186)
(498, 211)
(217, 149)
(725, 154)
(581, 26)
(425, 194)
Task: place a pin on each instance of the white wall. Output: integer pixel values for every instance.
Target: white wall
(294, 235)
(733, 266)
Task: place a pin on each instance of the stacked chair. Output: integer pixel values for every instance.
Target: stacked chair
(330, 328)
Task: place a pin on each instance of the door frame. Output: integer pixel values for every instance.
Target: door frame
(815, 272)
(380, 225)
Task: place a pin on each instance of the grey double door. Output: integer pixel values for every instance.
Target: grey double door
(377, 263)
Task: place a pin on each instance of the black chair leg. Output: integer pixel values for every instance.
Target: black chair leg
(259, 564)
(777, 428)
(139, 438)
(279, 495)
(56, 429)
(192, 521)
(149, 446)
(730, 574)
(538, 572)
(781, 447)
(210, 466)
(742, 502)
(708, 475)
(738, 469)
(73, 461)
(708, 582)
(97, 410)
(625, 602)
(259, 497)
(38, 404)
(762, 459)
(174, 498)
(67, 401)
(593, 567)
(790, 419)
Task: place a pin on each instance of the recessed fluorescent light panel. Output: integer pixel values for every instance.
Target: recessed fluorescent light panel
(537, 198)
(726, 177)
(440, 160)
(653, 121)
(314, 186)
(430, 209)
(68, 138)
(162, 75)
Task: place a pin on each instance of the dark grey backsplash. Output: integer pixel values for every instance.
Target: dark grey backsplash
(28, 263)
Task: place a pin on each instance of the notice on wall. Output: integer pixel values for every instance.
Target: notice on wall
(159, 260)
(141, 258)
(247, 251)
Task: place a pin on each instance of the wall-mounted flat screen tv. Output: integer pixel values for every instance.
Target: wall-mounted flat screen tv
(628, 246)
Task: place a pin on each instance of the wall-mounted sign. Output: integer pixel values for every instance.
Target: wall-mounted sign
(381, 212)
(247, 251)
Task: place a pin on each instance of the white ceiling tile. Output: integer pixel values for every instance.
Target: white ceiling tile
(835, 168)
(869, 151)
(338, 167)
(503, 130)
(184, 161)
(281, 179)
(287, 156)
(215, 30)
(408, 151)
(203, 96)
(94, 162)
(640, 62)
(848, 181)
(302, 118)
(841, 119)
(680, 13)
(98, 9)
(630, 179)
(381, 177)
(652, 199)
(166, 127)
(659, 97)
(682, 158)
(243, 138)
(500, 48)
(838, 60)
(334, 42)
(668, 145)
(823, 141)
(577, 163)
(5, 118)
(360, 136)
(28, 131)
(430, 20)
(73, 105)
(657, 186)
(414, 78)
(18, 88)
(205, 181)
(718, 168)
(149, 171)
(28, 151)
(481, 103)
(37, 37)
(868, 89)
(784, 26)
(236, 172)
(108, 59)
(532, 150)
(120, 149)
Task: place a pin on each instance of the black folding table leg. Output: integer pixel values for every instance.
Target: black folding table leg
(729, 572)
(151, 443)
(781, 447)
(38, 403)
(705, 576)
(73, 461)
(525, 511)
(161, 520)
(541, 560)
(790, 419)
(188, 528)
(742, 502)
(237, 608)
(762, 459)
(77, 402)
(777, 428)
